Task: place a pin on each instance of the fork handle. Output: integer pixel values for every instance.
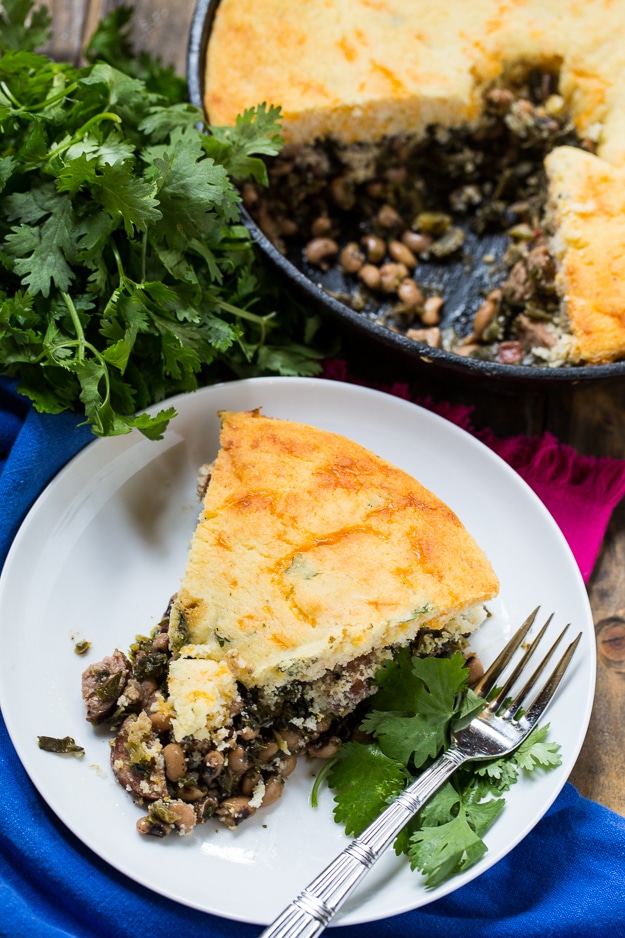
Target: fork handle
(318, 903)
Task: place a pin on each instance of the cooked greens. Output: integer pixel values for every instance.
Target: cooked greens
(65, 744)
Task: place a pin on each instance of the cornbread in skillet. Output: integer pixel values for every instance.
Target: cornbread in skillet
(312, 552)
(587, 202)
(359, 73)
(357, 70)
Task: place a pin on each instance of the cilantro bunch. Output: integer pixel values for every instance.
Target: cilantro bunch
(409, 721)
(126, 274)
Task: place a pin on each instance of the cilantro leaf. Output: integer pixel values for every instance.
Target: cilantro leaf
(535, 752)
(450, 847)
(47, 250)
(365, 781)
(255, 132)
(426, 692)
(121, 194)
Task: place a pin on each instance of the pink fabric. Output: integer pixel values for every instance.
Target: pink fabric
(581, 492)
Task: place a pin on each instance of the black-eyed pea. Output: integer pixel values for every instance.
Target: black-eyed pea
(483, 317)
(150, 828)
(238, 760)
(324, 748)
(375, 248)
(249, 781)
(370, 276)
(293, 739)
(321, 226)
(388, 217)
(233, 810)
(351, 258)
(416, 241)
(431, 315)
(287, 765)
(375, 188)
(175, 762)
(161, 722)
(396, 175)
(391, 275)
(183, 816)
(343, 194)
(476, 669)
(430, 336)
(287, 227)
(281, 167)
(160, 642)
(273, 790)
(212, 765)
(247, 732)
(320, 251)
(410, 294)
(402, 254)
(323, 725)
(500, 98)
(268, 751)
(191, 793)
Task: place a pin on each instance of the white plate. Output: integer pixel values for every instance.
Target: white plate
(105, 545)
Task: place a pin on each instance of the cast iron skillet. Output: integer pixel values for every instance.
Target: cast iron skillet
(463, 291)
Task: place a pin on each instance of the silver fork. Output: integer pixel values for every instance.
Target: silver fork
(497, 731)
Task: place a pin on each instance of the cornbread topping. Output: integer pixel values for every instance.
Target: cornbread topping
(426, 126)
(313, 562)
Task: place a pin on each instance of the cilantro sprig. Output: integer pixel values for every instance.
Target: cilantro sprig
(127, 276)
(408, 721)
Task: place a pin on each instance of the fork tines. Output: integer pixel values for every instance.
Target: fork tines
(499, 700)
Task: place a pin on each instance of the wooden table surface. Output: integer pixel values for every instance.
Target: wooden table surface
(589, 416)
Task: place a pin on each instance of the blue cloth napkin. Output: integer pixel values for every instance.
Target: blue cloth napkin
(566, 878)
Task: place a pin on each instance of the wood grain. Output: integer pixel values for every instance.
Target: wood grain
(589, 417)
(159, 28)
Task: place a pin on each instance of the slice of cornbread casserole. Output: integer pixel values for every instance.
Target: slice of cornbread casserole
(313, 561)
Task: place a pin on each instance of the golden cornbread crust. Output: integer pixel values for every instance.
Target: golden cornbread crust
(353, 71)
(358, 70)
(312, 551)
(587, 203)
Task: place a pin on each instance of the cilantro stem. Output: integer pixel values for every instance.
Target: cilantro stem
(10, 95)
(144, 251)
(59, 96)
(80, 335)
(314, 800)
(81, 345)
(97, 119)
(120, 267)
(250, 317)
